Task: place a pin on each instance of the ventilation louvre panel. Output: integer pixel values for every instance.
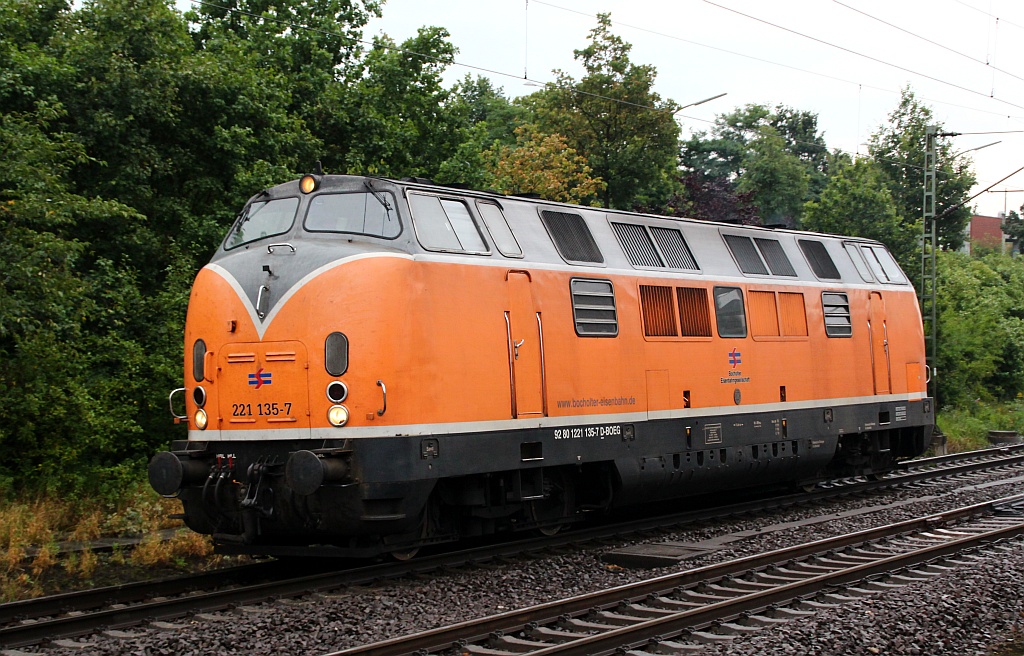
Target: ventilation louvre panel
(694, 315)
(775, 257)
(819, 259)
(674, 247)
(656, 303)
(572, 237)
(746, 255)
(637, 245)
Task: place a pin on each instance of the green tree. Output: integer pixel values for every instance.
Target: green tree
(899, 149)
(486, 119)
(613, 117)
(147, 148)
(721, 153)
(390, 119)
(776, 179)
(312, 42)
(981, 328)
(1013, 227)
(67, 413)
(542, 164)
(857, 203)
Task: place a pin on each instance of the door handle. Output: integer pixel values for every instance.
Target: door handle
(517, 345)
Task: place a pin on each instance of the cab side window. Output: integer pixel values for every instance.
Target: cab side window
(732, 319)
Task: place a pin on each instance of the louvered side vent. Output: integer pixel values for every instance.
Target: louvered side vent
(674, 247)
(656, 303)
(746, 255)
(764, 315)
(593, 308)
(836, 309)
(775, 257)
(637, 244)
(793, 314)
(819, 259)
(572, 237)
(694, 315)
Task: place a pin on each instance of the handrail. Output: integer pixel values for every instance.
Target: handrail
(380, 413)
(170, 403)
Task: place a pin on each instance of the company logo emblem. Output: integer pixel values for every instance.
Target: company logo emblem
(260, 378)
(734, 358)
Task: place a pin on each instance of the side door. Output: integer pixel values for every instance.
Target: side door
(525, 347)
(879, 337)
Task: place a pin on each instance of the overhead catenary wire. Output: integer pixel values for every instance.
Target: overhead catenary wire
(860, 54)
(953, 208)
(860, 85)
(993, 16)
(294, 25)
(927, 40)
(454, 62)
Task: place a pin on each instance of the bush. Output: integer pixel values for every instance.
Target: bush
(981, 329)
(967, 428)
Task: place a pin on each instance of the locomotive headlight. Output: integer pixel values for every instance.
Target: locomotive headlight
(308, 183)
(337, 415)
(201, 420)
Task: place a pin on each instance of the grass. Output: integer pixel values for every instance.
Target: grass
(967, 429)
(32, 530)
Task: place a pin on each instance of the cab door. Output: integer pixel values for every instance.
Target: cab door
(879, 337)
(525, 347)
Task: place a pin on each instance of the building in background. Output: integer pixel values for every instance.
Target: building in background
(986, 232)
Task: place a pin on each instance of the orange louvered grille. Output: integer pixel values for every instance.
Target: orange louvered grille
(694, 317)
(794, 317)
(659, 320)
(764, 316)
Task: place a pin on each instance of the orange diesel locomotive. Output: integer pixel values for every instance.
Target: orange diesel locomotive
(373, 365)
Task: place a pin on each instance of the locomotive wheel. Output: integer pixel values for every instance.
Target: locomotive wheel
(559, 504)
(403, 555)
(550, 531)
(428, 522)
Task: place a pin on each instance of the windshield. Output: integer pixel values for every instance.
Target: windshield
(263, 219)
(363, 213)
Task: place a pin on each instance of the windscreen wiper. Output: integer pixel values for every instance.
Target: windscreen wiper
(381, 198)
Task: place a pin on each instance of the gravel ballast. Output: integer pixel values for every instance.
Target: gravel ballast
(965, 611)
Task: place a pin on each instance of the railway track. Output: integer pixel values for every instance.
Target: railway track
(679, 613)
(73, 614)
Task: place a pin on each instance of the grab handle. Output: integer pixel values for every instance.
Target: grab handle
(380, 413)
(170, 402)
(271, 247)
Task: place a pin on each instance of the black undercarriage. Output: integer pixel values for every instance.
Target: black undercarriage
(367, 496)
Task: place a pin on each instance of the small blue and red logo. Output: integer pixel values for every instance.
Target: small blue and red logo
(260, 378)
(734, 359)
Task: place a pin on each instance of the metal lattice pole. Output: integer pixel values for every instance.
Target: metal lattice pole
(929, 249)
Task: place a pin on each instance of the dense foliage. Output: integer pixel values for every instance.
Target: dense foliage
(130, 135)
(981, 328)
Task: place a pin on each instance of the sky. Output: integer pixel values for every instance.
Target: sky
(845, 60)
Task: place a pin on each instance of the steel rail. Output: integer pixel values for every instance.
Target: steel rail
(615, 638)
(129, 593)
